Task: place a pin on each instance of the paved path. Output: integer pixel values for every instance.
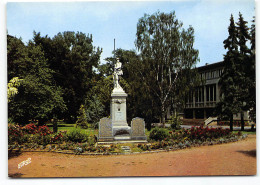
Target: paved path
(238, 158)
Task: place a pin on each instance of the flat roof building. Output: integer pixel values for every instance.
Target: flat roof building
(202, 103)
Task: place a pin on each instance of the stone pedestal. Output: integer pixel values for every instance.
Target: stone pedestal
(115, 128)
(118, 114)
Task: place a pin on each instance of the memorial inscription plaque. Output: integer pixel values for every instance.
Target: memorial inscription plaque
(105, 129)
(138, 129)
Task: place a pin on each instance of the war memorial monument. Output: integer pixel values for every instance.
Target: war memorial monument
(116, 128)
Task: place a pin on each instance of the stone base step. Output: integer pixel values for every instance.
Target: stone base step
(121, 142)
(122, 138)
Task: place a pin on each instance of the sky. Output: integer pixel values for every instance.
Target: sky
(107, 21)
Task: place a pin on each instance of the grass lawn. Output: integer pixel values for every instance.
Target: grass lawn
(70, 127)
(246, 132)
(89, 131)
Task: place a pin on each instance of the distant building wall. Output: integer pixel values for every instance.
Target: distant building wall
(202, 103)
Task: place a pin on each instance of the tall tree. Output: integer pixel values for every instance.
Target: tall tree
(140, 103)
(166, 51)
(229, 102)
(243, 66)
(73, 58)
(251, 72)
(17, 57)
(38, 97)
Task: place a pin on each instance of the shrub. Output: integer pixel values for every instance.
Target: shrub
(57, 138)
(43, 140)
(144, 147)
(33, 129)
(15, 134)
(83, 125)
(95, 125)
(44, 130)
(30, 128)
(76, 135)
(212, 133)
(82, 118)
(175, 122)
(159, 134)
(92, 140)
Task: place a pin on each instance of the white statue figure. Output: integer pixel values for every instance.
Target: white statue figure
(117, 71)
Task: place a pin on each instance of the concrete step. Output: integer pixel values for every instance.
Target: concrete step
(122, 138)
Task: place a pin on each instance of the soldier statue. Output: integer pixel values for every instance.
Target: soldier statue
(117, 71)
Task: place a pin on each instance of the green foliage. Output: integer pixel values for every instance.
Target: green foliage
(251, 73)
(29, 134)
(102, 89)
(73, 58)
(57, 72)
(167, 51)
(17, 57)
(15, 134)
(238, 79)
(158, 134)
(229, 104)
(82, 118)
(92, 140)
(95, 109)
(139, 104)
(175, 122)
(76, 135)
(38, 97)
(12, 87)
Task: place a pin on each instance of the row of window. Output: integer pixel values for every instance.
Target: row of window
(211, 74)
(199, 94)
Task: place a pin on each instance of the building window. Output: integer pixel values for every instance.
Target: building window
(212, 74)
(217, 73)
(208, 75)
(199, 95)
(207, 93)
(211, 92)
(190, 97)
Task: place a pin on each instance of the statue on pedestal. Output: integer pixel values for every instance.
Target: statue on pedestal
(116, 128)
(117, 71)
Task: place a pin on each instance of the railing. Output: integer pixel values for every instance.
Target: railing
(201, 104)
(211, 104)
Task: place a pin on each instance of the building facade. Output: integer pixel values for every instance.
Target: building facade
(202, 103)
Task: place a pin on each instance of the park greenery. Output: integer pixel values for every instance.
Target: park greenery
(238, 87)
(61, 79)
(78, 141)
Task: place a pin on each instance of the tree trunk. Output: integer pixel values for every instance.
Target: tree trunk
(163, 116)
(242, 121)
(55, 125)
(231, 122)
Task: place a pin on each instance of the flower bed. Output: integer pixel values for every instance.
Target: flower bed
(33, 138)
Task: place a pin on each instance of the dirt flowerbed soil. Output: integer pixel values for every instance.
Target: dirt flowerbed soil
(238, 158)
